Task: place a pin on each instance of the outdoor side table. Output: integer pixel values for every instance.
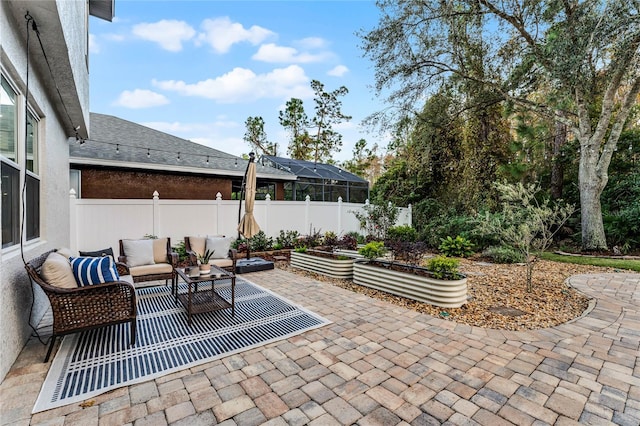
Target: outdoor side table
(206, 299)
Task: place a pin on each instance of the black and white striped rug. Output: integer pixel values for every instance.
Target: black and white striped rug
(91, 363)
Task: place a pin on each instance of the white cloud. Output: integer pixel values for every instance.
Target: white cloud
(311, 43)
(338, 71)
(218, 134)
(273, 53)
(185, 130)
(346, 125)
(229, 144)
(221, 34)
(169, 34)
(114, 37)
(94, 47)
(243, 85)
(140, 98)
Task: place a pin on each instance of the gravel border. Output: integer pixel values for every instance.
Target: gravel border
(497, 293)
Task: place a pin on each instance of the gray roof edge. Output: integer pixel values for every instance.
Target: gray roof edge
(175, 168)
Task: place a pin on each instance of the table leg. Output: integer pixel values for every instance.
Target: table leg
(233, 296)
(189, 306)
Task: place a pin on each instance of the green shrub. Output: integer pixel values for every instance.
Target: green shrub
(314, 239)
(300, 249)
(402, 233)
(348, 242)
(434, 221)
(503, 254)
(181, 250)
(443, 267)
(260, 242)
(373, 250)
(239, 244)
(357, 236)
(623, 227)
(330, 239)
(287, 239)
(457, 247)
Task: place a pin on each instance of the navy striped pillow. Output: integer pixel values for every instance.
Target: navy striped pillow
(94, 270)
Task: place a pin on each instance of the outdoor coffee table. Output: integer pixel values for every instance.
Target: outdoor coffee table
(205, 300)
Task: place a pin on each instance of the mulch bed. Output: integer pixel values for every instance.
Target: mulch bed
(498, 295)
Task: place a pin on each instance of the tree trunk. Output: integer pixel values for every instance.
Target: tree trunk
(557, 167)
(591, 186)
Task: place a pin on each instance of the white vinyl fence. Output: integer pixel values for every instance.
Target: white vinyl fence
(99, 223)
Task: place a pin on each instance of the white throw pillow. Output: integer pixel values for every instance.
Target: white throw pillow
(138, 252)
(220, 247)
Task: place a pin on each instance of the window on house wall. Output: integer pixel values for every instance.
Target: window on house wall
(8, 122)
(74, 181)
(19, 163)
(32, 144)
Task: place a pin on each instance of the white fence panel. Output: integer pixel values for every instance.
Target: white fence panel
(101, 223)
(98, 224)
(228, 217)
(286, 216)
(180, 218)
(323, 217)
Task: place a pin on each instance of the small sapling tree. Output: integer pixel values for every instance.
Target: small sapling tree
(526, 223)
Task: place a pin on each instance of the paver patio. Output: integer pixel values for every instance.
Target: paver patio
(380, 364)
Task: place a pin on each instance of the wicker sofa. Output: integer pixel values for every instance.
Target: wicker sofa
(78, 309)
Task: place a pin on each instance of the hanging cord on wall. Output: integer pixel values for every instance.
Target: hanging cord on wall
(31, 21)
(53, 78)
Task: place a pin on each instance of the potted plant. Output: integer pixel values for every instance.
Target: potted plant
(203, 261)
(438, 284)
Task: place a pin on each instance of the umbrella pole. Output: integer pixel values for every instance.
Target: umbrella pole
(242, 194)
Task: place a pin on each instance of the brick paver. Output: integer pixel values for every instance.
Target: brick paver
(380, 364)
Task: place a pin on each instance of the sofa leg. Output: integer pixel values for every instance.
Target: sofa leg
(53, 342)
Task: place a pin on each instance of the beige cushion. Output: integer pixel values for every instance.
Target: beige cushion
(160, 250)
(138, 252)
(56, 270)
(66, 252)
(222, 263)
(158, 268)
(197, 245)
(219, 246)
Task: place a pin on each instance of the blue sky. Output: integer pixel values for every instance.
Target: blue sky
(198, 69)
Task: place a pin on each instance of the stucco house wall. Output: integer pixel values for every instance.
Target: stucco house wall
(62, 26)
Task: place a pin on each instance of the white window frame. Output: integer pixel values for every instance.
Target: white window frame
(20, 164)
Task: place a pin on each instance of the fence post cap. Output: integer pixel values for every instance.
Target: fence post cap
(72, 193)
(218, 196)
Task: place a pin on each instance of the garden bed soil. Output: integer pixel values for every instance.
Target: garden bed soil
(326, 254)
(498, 295)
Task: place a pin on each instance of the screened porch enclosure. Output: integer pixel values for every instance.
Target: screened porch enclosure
(321, 182)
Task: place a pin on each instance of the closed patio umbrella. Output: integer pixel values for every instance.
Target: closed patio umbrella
(248, 225)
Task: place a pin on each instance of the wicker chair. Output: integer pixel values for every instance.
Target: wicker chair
(89, 307)
(228, 264)
(170, 259)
